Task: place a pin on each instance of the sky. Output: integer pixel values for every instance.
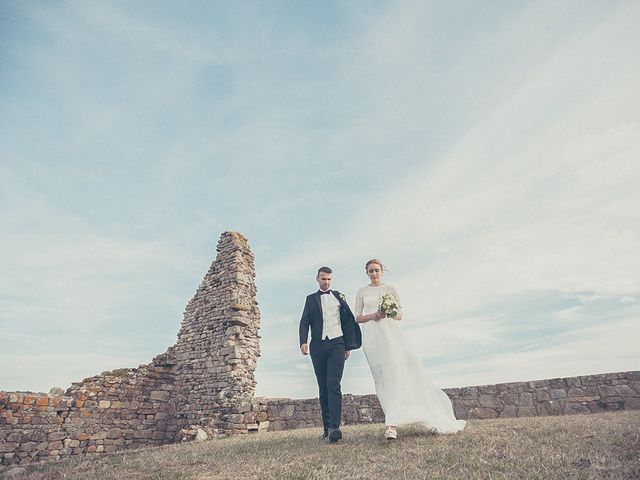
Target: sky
(487, 152)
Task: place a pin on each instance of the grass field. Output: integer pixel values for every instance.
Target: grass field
(599, 446)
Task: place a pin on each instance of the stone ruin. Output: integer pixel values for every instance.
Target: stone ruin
(204, 385)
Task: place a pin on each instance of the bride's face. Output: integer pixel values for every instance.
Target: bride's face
(374, 272)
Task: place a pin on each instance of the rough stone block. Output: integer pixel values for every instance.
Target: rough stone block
(235, 330)
(38, 436)
(543, 409)
(483, 413)
(543, 395)
(15, 437)
(509, 398)
(626, 391)
(364, 415)
(607, 391)
(573, 408)
(574, 382)
(539, 384)
(631, 403)
(526, 411)
(142, 434)
(160, 395)
(488, 389)
(490, 401)
(6, 447)
(57, 445)
(557, 383)
(525, 399)
(57, 436)
(584, 399)
(556, 407)
(114, 433)
(277, 426)
(459, 411)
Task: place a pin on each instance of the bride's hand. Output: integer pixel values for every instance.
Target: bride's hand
(379, 315)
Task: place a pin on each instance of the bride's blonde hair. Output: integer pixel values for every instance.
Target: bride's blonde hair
(377, 262)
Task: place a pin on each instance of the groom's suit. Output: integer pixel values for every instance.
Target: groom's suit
(328, 354)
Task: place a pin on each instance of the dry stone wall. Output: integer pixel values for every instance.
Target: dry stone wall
(556, 396)
(204, 382)
(217, 349)
(120, 409)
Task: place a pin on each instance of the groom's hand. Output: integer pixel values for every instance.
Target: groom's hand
(304, 348)
(346, 354)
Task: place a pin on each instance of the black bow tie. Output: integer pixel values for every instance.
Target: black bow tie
(324, 293)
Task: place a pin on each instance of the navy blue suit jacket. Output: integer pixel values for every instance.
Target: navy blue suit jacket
(312, 318)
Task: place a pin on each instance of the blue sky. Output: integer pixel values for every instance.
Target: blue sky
(488, 152)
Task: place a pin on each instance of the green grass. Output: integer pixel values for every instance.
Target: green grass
(601, 446)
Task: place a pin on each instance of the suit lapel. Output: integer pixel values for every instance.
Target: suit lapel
(319, 302)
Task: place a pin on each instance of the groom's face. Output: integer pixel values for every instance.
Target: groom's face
(324, 280)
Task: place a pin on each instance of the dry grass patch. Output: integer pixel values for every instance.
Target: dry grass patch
(602, 446)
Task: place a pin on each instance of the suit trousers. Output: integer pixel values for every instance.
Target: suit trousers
(328, 364)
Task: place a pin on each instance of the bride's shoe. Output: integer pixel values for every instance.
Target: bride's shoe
(390, 433)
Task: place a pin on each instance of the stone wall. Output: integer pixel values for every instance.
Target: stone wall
(556, 396)
(120, 409)
(218, 344)
(205, 381)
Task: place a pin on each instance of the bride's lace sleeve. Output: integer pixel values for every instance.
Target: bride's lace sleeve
(359, 307)
(397, 295)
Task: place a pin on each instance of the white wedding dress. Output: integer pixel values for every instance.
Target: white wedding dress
(405, 394)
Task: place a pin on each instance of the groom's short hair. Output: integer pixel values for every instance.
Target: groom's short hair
(323, 270)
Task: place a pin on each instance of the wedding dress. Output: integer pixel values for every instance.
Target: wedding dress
(404, 392)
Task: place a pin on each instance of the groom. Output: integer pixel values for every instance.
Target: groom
(334, 332)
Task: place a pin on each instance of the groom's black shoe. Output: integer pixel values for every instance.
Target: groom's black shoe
(325, 435)
(334, 435)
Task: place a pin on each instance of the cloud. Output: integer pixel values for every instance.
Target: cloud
(610, 347)
(482, 166)
(66, 285)
(40, 372)
(537, 195)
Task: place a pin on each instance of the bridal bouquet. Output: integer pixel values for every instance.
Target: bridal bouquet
(389, 305)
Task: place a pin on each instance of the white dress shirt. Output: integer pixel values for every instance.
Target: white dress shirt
(331, 326)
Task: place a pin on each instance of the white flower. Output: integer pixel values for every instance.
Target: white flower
(389, 305)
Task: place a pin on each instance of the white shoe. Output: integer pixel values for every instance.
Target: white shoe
(390, 433)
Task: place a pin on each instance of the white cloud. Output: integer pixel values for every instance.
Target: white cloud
(455, 336)
(508, 167)
(40, 372)
(601, 349)
(539, 195)
(570, 314)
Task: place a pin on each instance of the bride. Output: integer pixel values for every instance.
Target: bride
(405, 394)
